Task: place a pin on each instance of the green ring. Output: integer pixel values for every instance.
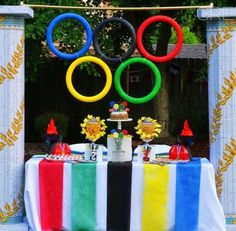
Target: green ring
(144, 99)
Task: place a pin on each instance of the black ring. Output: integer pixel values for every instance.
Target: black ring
(129, 51)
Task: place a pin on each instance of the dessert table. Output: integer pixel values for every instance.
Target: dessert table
(121, 196)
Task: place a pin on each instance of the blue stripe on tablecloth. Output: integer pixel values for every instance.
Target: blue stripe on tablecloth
(76, 152)
(187, 195)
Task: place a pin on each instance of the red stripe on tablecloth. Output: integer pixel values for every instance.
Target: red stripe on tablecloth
(51, 194)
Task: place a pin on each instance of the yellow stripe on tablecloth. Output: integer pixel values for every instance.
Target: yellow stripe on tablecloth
(155, 198)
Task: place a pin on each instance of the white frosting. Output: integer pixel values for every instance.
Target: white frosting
(119, 152)
(119, 115)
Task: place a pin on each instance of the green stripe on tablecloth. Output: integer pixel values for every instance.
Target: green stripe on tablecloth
(83, 216)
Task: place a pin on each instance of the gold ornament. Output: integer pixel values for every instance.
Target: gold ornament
(148, 128)
(93, 128)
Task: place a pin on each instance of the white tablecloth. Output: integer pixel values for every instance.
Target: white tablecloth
(211, 217)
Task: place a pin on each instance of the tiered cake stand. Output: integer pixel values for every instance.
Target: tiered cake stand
(119, 122)
(119, 154)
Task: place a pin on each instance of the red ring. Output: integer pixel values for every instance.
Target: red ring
(145, 24)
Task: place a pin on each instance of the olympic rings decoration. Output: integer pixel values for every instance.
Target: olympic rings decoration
(154, 19)
(72, 90)
(50, 30)
(132, 34)
(129, 98)
(104, 66)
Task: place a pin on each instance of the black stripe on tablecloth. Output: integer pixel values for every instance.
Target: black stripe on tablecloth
(119, 177)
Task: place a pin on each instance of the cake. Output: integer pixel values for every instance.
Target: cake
(118, 111)
(119, 145)
(119, 115)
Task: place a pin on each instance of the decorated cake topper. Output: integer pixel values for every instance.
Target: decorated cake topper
(93, 127)
(148, 128)
(52, 129)
(118, 106)
(119, 110)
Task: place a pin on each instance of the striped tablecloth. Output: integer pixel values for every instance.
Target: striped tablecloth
(122, 196)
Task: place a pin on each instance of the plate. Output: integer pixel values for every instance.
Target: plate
(63, 157)
(129, 119)
(166, 160)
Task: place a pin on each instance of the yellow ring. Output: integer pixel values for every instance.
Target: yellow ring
(105, 90)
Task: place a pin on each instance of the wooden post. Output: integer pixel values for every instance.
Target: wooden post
(221, 48)
(12, 112)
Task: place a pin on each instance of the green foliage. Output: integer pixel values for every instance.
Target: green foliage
(203, 73)
(131, 3)
(69, 34)
(189, 37)
(112, 45)
(61, 122)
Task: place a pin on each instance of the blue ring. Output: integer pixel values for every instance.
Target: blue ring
(50, 30)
